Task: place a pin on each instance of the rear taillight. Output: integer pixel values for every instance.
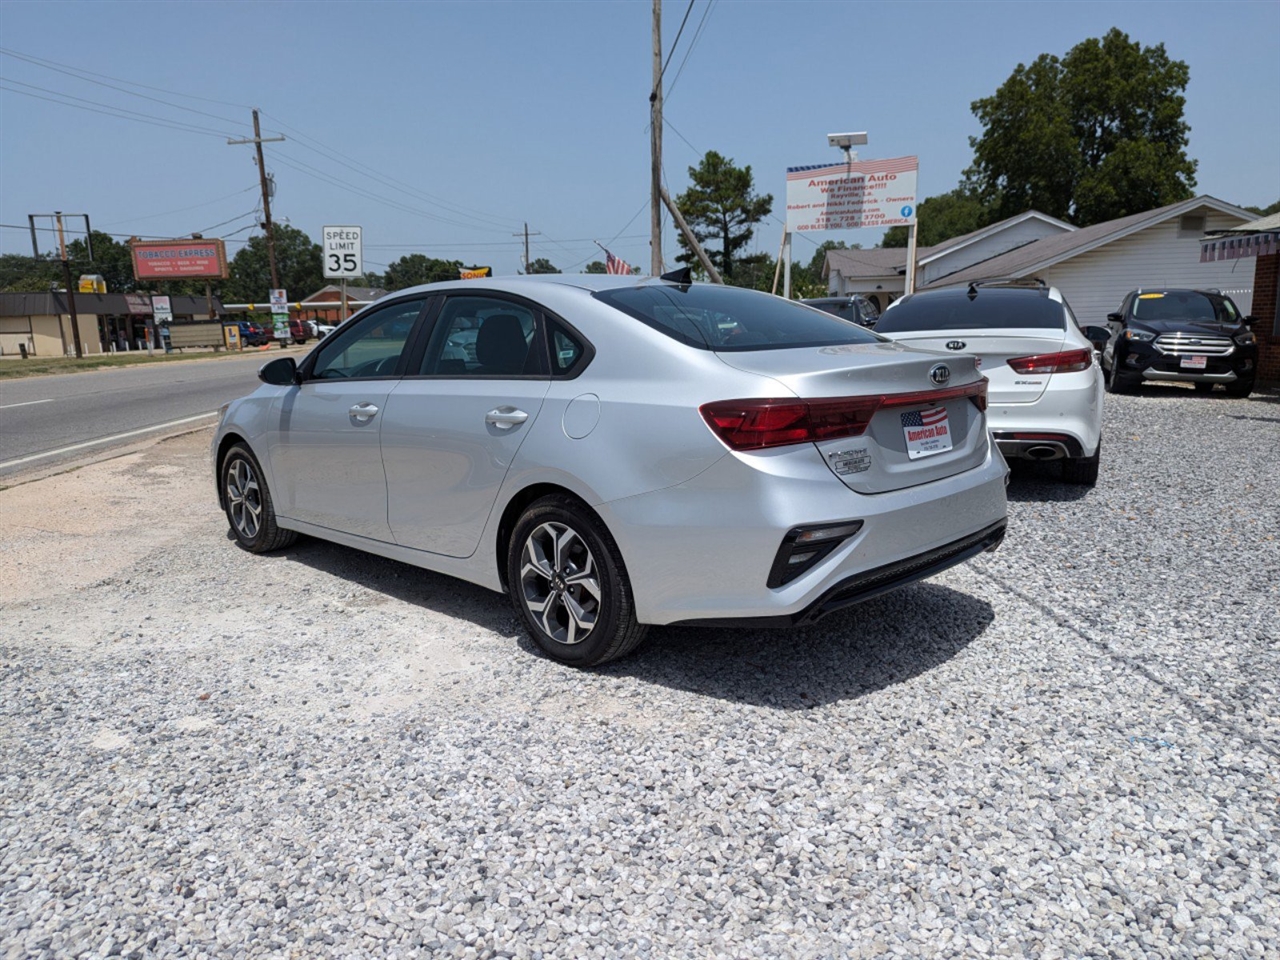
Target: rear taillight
(1068, 362)
(755, 424)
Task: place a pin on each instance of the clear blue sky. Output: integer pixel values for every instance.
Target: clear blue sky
(479, 117)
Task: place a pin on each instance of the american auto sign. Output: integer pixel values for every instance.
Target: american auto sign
(177, 259)
(843, 196)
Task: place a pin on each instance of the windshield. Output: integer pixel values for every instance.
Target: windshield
(989, 310)
(1184, 305)
(730, 319)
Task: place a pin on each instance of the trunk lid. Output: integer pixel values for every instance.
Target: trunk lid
(879, 460)
(994, 349)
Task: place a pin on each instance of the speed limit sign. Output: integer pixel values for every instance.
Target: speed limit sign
(343, 258)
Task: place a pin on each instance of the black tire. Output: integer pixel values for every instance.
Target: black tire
(1240, 388)
(1117, 382)
(1203, 387)
(1083, 470)
(247, 501)
(545, 602)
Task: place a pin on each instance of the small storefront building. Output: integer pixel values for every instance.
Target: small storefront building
(40, 323)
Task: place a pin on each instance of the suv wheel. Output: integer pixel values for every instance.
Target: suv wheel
(1083, 470)
(1118, 382)
(248, 503)
(1240, 388)
(569, 586)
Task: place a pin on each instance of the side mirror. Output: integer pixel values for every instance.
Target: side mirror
(281, 372)
(1115, 318)
(1098, 336)
(1250, 321)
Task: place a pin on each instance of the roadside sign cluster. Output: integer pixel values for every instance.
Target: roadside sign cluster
(343, 254)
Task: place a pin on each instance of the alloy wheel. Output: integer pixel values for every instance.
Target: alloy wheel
(560, 583)
(244, 498)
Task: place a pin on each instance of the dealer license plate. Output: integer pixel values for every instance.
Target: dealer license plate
(927, 432)
(1194, 363)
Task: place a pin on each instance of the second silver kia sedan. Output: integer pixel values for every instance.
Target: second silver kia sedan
(616, 452)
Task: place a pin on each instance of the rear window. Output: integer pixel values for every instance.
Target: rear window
(1184, 305)
(730, 319)
(989, 310)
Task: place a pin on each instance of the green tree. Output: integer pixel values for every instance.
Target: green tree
(721, 206)
(819, 258)
(111, 258)
(19, 274)
(541, 265)
(1095, 135)
(595, 266)
(416, 268)
(1266, 211)
(944, 216)
(299, 264)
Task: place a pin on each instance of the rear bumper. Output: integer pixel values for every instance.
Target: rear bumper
(872, 583)
(1066, 419)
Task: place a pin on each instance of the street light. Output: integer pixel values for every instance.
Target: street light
(846, 142)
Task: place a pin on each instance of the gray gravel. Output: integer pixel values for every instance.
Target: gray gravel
(1064, 749)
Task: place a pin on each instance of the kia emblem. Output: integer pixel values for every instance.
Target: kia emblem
(955, 344)
(940, 374)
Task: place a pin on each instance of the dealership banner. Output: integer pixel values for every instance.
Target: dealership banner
(474, 273)
(179, 259)
(1235, 248)
(844, 196)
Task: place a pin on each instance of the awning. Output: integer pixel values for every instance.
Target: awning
(1261, 238)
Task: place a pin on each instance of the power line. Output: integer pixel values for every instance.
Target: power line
(676, 42)
(697, 34)
(73, 72)
(118, 112)
(194, 206)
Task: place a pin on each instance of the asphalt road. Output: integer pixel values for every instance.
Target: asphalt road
(47, 420)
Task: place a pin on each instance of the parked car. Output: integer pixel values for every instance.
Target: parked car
(1045, 393)
(855, 309)
(252, 334)
(299, 331)
(620, 451)
(1184, 336)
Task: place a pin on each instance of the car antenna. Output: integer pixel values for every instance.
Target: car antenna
(973, 290)
(683, 276)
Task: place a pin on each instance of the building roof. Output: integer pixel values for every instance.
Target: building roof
(1262, 225)
(51, 303)
(878, 262)
(955, 243)
(331, 292)
(1042, 254)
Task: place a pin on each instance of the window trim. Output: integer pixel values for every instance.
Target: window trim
(308, 365)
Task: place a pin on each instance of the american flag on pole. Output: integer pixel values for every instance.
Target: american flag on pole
(614, 264)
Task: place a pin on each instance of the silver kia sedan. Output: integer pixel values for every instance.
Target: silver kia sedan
(615, 452)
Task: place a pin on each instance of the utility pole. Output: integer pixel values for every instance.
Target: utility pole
(527, 235)
(258, 141)
(71, 293)
(655, 148)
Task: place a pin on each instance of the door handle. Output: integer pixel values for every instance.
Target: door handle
(504, 418)
(363, 412)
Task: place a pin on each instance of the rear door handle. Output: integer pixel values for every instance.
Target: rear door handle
(363, 412)
(504, 418)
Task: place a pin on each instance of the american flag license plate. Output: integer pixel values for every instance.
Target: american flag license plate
(927, 432)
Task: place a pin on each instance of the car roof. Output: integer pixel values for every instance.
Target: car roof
(1206, 292)
(986, 292)
(590, 282)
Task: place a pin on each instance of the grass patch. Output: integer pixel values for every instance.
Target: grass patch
(14, 368)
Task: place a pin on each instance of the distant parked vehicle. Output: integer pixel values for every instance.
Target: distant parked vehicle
(253, 335)
(855, 309)
(1045, 392)
(1183, 336)
(300, 332)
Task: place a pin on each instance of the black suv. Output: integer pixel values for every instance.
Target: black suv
(857, 309)
(1182, 336)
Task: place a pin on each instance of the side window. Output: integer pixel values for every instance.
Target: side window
(479, 336)
(371, 347)
(567, 351)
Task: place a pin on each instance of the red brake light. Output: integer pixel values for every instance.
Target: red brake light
(755, 424)
(1068, 362)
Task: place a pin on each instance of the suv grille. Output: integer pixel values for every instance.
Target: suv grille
(1185, 344)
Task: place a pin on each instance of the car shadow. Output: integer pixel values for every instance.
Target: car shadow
(1041, 482)
(874, 645)
(882, 642)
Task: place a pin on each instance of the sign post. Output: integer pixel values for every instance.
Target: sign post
(280, 316)
(161, 316)
(343, 257)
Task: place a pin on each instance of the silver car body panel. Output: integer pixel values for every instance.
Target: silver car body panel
(698, 525)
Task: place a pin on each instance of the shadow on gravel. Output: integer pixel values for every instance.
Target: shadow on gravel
(1042, 483)
(874, 645)
(871, 646)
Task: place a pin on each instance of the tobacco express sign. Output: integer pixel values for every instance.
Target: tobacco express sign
(844, 196)
(343, 257)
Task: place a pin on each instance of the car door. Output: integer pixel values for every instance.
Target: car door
(325, 455)
(1115, 323)
(453, 427)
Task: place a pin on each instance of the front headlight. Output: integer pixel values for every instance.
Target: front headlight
(1142, 336)
(1246, 338)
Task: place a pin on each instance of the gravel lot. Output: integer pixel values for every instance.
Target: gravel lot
(1066, 748)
